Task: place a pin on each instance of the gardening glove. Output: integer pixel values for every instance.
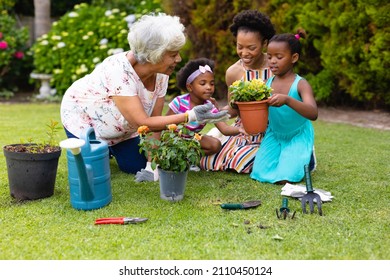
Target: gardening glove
(298, 191)
(202, 114)
(147, 174)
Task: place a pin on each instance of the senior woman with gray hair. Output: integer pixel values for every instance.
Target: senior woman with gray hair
(127, 90)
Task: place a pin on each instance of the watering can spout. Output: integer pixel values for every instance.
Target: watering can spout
(84, 170)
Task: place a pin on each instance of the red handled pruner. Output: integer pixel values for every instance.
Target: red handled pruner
(120, 220)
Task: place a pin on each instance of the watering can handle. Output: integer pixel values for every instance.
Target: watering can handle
(309, 186)
(87, 135)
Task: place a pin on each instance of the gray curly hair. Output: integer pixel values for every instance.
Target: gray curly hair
(153, 35)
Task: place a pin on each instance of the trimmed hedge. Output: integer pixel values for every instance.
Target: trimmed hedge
(347, 51)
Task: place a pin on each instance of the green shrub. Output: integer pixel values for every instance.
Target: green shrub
(80, 40)
(347, 51)
(57, 8)
(136, 7)
(345, 56)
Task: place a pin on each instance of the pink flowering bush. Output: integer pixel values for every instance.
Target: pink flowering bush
(13, 45)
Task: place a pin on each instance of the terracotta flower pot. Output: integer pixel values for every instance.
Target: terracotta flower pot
(254, 116)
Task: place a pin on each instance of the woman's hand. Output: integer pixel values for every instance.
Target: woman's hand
(202, 114)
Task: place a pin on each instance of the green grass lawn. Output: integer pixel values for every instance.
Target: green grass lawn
(353, 164)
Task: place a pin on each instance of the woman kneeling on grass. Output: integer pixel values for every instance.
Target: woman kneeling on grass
(127, 90)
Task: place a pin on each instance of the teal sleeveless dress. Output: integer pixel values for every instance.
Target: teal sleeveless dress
(287, 145)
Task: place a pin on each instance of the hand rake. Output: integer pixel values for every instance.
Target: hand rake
(310, 196)
(284, 210)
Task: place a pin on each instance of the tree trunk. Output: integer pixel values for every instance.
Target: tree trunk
(42, 22)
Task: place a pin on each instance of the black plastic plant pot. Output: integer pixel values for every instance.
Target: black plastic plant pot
(31, 175)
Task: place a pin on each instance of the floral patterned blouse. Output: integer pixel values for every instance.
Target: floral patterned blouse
(88, 102)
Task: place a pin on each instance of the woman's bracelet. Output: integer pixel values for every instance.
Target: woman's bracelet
(186, 117)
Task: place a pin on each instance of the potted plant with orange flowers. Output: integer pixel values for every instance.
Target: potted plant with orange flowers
(251, 99)
(177, 149)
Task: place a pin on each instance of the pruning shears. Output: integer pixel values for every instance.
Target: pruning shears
(120, 220)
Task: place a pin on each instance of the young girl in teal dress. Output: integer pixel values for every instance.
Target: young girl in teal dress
(289, 139)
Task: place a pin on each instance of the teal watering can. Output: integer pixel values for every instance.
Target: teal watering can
(88, 171)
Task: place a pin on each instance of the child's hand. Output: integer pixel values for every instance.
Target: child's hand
(215, 103)
(277, 100)
(242, 131)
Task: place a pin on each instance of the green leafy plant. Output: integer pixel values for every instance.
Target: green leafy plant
(177, 149)
(45, 146)
(245, 91)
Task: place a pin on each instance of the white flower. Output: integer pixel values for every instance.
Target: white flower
(73, 14)
(61, 45)
(115, 10)
(114, 51)
(108, 13)
(117, 50)
(130, 18)
(96, 60)
(90, 33)
(82, 69)
(85, 37)
(103, 41)
(45, 42)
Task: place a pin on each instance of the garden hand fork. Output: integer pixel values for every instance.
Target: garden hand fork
(310, 196)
